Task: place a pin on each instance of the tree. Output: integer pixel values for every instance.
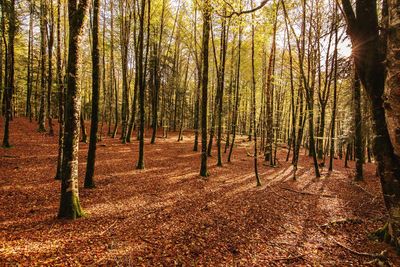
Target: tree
(9, 73)
(61, 95)
(43, 54)
(369, 57)
(237, 100)
(70, 207)
(358, 142)
(89, 183)
(50, 68)
(124, 42)
(157, 75)
(334, 104)
(204, 86)
(221, 85)
(253, 79)
(142, 83)
(29, 75)
(392, 85)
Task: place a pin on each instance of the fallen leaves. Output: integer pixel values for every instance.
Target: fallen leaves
(167, 215)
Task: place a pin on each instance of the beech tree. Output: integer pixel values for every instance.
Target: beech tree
(369, 57)
(70, 207)
(8, 9)
(89, 183)
(204, 86)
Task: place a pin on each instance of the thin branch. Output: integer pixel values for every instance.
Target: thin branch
(233, 13)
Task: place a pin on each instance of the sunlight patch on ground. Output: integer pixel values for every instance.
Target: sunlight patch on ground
(23, 246)
(184, 176)
(136, 172)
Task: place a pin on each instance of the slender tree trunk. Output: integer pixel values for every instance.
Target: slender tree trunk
(198, 87)
(50, 69)
(270, 94)
(204, 86)
(43, 54)
(61, 96)
(358, 129)
(28, 112)
(125, 37)
(142, 84)
(223, 49)
(9, 77)
(236, 109)
(254, 103)
(334, 106)
(89, 182)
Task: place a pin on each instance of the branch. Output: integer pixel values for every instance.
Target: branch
(308, 193)
(262, 4)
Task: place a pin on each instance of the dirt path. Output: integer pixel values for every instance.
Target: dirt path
(167, 215)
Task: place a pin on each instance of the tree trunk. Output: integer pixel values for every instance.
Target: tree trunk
(70, 207)
(204, 86)
(50, 69)
(364, 33)
(61, 95)
(142, 84)
(392, 89)
(221, 81)
(9, 77)
(43, 54)
(253, 79)
(89, 182)
(358, 129)
(28, 112)
(236, 108)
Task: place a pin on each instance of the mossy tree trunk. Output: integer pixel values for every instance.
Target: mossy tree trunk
(70, 207)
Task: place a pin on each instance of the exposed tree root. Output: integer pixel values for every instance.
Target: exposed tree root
(374, 197)
(381, 256)
(385, 234)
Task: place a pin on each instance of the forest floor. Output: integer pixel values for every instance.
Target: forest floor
(166, 215)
